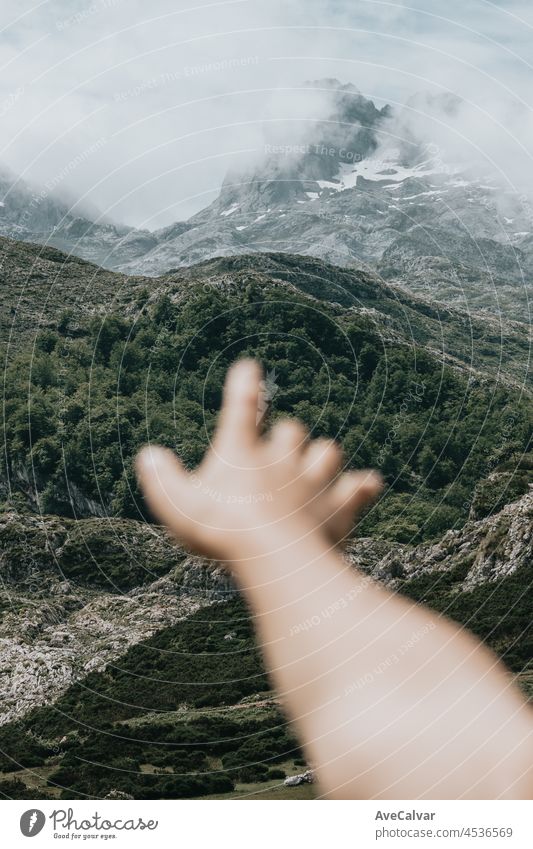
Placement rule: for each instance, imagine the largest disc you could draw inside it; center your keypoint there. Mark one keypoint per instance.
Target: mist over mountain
(356, 186)
(42, 214)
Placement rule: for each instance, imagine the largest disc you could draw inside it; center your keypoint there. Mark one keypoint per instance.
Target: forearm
(390, 699)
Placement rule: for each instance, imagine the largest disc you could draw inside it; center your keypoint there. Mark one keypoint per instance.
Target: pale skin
(389, 700)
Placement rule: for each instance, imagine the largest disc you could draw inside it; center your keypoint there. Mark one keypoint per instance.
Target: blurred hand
(250, 487)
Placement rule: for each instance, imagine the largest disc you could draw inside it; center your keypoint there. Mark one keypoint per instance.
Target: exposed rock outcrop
(76, 594)
(304, 778)
(55, 630)
(488, 549)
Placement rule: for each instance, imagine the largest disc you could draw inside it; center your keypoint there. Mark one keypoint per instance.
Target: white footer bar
(268, 825)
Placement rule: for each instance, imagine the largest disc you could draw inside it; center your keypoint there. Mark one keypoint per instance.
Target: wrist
(281, 547)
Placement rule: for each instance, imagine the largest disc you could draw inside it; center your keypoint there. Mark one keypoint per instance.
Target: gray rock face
(55, 631)
(350, 198)
(435, 232)
(205, 579)
(344, 195)
(44, 650)
(37, 214)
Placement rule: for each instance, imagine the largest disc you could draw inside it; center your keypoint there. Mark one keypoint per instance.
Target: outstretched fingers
(347, 497)
(287, 439)
(321, 462)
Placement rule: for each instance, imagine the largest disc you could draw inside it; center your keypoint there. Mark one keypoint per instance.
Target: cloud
(487, 137)
(169, 95)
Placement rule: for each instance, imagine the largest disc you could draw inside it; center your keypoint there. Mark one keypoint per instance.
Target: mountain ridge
(63, 283)
(342, 192)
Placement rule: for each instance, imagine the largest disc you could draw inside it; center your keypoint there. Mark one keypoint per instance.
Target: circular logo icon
(32, 822)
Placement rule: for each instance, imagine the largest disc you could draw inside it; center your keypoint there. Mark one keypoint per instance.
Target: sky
(139, 109)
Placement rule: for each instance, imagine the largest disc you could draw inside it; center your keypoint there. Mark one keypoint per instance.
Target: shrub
(276, 774)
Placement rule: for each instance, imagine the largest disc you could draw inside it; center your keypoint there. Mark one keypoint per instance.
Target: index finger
(238, 422)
